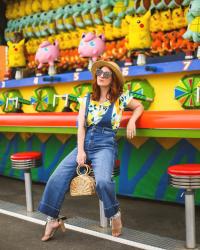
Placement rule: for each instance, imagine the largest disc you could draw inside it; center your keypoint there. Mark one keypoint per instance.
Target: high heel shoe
(116, 225)
(52, 226)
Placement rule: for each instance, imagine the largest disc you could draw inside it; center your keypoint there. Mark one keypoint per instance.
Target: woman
(99, 119)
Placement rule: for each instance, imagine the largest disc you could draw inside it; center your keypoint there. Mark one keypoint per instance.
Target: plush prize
(193, 17)
(91, 46)
(47, 53)
(16, 56)
(139, 32)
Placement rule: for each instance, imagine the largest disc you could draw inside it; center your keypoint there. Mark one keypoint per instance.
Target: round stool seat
(26, 160)
(185, 175)
(21, 156)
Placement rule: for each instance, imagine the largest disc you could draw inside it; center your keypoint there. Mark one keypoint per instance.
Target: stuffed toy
(160, 4)
(28, 7)
(28, 28)
(139, 32)
(47, 53)
(142, 6)
(178, 18)
(155, 22)
(96, 12)
(124, 27)
(58, 17)
(117, 32)
(156, 46)
(87, 17)
(91, 46)
(186, 2)
(36, 6)
(35, 25)
(166, 20)
(99, 29)
(78, 20)
(193, 18)
(119, 11)
(46, 5)
(108, 31)
(15, 11)
(68, 20)
(51, 24)
(44, 31)
(21, 9)
(174, 4)
(130, 10)
(16, 55)
(9, 9)
(106, 8)
(75, 38)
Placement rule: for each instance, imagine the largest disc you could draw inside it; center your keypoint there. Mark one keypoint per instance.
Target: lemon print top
(96, 110)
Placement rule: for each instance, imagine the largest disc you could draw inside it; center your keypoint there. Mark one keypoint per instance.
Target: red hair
(116, 89)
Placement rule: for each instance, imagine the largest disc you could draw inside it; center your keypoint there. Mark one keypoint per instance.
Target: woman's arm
(81, 156)
(138, 109)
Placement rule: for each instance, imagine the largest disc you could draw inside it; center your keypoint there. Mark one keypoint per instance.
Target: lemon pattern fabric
(96, 110)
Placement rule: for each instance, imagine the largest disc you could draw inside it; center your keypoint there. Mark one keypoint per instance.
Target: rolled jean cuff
(48, 210)
(109, 212)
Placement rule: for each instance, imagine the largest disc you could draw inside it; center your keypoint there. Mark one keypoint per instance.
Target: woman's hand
(131, 129)
(81, 157)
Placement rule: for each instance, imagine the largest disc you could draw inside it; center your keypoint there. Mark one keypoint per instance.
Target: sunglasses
(104, 74)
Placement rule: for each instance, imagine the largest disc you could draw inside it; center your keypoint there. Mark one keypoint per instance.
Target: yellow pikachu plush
(46, 5)
(155, 22)
(139, 32)
(166, 20)
(16, 56)
(28, 7)
(178, 18)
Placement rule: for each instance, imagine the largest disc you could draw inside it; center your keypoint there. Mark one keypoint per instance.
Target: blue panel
(179, 93)
(148, 69)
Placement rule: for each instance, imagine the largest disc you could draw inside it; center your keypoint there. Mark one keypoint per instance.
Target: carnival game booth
(156, 44)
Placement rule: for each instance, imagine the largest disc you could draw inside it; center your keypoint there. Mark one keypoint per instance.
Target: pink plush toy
(91, 46)
(47, 53)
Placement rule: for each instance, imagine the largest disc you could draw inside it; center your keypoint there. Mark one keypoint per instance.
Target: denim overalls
(101, 150)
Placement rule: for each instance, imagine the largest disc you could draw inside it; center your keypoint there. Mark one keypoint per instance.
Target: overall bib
(101, 150)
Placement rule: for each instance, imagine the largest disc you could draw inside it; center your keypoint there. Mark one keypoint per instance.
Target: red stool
(187, 176)
(26, 161)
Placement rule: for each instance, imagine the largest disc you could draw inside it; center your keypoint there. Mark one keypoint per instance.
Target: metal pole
(103, 219)
(190, 219)
(28, 189)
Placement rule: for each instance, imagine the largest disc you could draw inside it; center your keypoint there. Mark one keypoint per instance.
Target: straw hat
(111, 65)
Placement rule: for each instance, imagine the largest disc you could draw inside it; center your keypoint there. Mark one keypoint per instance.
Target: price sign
(76, 76)
(186, 65)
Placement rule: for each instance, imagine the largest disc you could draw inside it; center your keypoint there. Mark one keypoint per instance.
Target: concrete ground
(159, 218)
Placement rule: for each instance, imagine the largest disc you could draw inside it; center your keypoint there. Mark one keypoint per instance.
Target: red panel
(185, 169)
(26, 156)
(186, 119)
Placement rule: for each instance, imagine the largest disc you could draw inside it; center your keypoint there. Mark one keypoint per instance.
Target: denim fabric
(101, 150)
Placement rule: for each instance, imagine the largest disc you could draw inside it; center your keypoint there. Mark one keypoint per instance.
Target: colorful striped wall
(144, 161)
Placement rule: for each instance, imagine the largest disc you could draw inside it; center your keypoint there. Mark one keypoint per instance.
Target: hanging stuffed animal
(91, 46)
(47, 53)
(139, 32)
(193, 17)
(16, 57)
(178, 18)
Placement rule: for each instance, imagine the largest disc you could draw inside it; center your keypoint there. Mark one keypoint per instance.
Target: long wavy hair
(116, 89)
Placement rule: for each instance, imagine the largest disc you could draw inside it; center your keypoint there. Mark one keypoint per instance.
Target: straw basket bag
(83, 184)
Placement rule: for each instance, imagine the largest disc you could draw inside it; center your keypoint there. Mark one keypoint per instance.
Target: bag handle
(87, 167)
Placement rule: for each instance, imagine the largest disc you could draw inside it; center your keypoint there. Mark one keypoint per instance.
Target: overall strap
(86, 108)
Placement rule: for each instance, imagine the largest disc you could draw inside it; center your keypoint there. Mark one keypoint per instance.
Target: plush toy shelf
(148, 69)
(180, 124)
